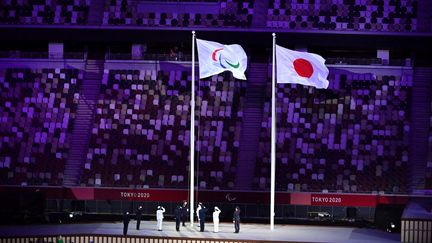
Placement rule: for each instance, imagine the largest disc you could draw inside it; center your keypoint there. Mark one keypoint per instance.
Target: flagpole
(273, 139)
(192, 137)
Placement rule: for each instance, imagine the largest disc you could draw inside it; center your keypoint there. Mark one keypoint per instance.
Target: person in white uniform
(197, 213)
(216, 219)
(159, 217)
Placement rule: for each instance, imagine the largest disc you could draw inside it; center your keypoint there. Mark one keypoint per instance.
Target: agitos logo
(222, 60)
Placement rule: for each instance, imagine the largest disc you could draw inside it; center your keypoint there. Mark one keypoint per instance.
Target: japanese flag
(301, 68)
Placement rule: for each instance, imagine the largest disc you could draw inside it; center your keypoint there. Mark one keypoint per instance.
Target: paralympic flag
(215, 58)
(301, 68)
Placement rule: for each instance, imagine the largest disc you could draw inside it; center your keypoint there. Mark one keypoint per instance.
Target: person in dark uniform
(202, 217)
(178, 212)
(138, 217)
(126, 219)
(185, 212)
(236, 219)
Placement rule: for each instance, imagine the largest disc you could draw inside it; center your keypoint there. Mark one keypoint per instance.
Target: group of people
(180, 214)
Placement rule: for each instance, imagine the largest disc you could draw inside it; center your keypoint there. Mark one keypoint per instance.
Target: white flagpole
(192, 137)
(273, 138)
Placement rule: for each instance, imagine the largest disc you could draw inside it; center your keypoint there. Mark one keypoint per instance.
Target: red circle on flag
(303, 67)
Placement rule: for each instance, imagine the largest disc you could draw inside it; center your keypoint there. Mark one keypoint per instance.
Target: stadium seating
(352, 137)
(37, 111)
(232, 14)
(140, 136)
(340, 15)
(220, 105)
(236, 13)
(343, 15)
(44, 11)
(117, 12)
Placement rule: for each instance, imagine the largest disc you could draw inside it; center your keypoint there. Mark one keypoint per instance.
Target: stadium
(107, 117)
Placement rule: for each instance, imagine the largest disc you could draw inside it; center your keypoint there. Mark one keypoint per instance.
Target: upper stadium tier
(374, 16)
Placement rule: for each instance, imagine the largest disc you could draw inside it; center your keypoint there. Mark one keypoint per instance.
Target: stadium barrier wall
(255, 205)
(178, 195)
(117, 239)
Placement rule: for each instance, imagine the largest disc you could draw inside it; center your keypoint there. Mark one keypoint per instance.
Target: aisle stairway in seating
(260, 13)
(420, 105)
(96, 12)
(83, 122)
(252, 117)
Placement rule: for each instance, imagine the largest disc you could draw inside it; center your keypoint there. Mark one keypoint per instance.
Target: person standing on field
(236, 219)
(216, 219)
(159, 217)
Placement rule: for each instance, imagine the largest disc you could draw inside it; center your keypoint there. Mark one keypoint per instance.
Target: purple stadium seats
(37, 111)
(352, 137)
(140, 136)
(340, 15)
(231, 14)
(219, 103)
(343, 15)
(44, 11)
